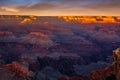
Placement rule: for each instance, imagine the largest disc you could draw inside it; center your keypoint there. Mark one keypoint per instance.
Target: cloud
(39, 6)
(64, 4)
(9, 9)
(66, 7)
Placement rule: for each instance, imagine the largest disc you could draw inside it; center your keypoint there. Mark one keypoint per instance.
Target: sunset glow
(60, 8)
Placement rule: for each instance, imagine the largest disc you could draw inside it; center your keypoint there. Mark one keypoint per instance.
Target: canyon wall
(116, 63)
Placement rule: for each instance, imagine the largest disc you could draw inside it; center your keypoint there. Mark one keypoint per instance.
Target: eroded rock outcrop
(37, 38)
(18, 70)
(116, 63)
(14, 71)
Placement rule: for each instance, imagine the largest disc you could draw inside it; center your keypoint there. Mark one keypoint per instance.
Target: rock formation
(18, 70)
(116, 63)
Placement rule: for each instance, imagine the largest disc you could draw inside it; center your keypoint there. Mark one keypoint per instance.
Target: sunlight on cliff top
(91, 19)
(28, 20)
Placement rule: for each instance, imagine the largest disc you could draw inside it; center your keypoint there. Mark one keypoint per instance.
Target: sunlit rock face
(91, 19)
(116, 63)
(28, 19)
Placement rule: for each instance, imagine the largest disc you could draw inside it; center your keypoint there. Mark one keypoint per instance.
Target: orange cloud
(10, 9)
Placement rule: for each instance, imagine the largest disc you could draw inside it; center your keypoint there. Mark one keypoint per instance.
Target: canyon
(60, 47)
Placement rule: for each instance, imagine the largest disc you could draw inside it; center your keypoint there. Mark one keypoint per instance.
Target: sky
(60, 7)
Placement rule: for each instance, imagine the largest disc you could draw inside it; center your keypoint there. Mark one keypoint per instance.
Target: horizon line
(56, 15)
